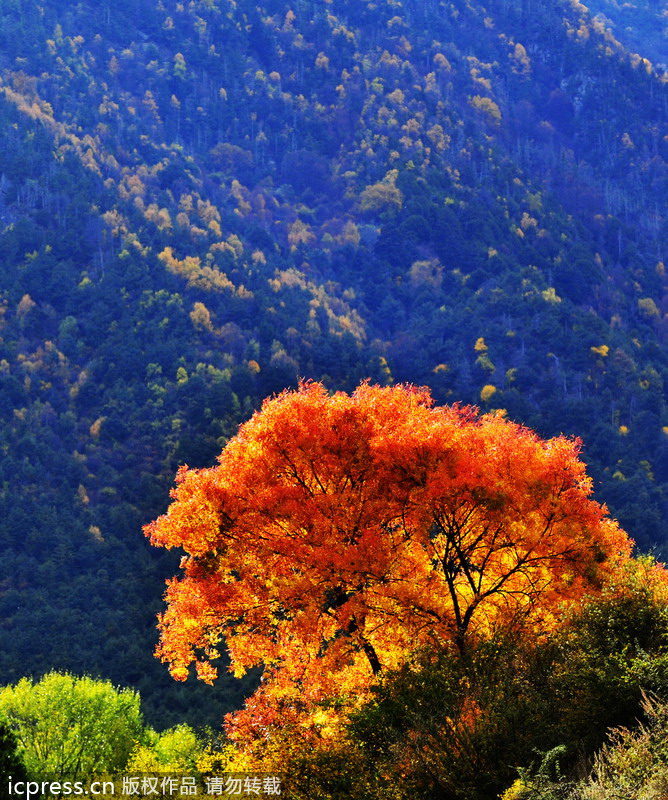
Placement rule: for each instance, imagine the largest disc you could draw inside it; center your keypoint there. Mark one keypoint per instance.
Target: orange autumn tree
(339, 532)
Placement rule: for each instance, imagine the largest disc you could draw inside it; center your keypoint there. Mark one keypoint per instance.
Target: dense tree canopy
(202, 201)
(69, 727)
(337, 533)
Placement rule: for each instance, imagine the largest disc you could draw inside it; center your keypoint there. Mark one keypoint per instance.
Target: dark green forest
(203, 202)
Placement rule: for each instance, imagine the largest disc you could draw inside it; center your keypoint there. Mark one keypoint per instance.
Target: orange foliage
(338, 533)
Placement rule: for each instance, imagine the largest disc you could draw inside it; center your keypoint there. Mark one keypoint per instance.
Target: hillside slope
(641, 26)
(201, 203)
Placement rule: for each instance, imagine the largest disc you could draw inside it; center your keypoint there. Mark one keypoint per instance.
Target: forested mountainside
(640, 26)
(202, 202)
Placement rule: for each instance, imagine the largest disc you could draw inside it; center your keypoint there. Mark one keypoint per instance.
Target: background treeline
(201, 202)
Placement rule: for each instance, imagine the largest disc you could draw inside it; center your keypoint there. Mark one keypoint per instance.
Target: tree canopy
(338, 532)
(197, 209)
(70, 727)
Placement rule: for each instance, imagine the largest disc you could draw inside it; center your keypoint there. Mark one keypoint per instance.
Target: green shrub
(71, 728)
